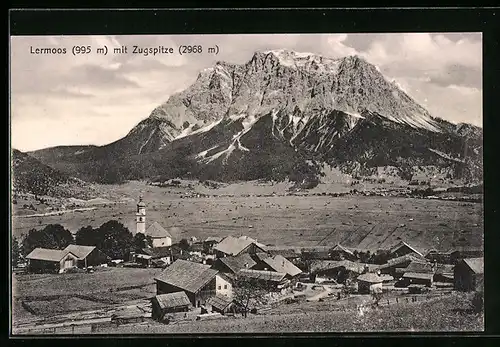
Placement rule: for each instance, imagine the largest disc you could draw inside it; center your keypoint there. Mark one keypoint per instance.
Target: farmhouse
(276, 263)
(275, 281)
(336, 271)
(158, 256)
(369, 283)
(210, 242)
(340, 252)
(318, 253)
(443, 273)
(87, 255)
(50, 260)
(198, 281)
(234, 264)
(232, 246)
(403, 248)
(416, 278)
(169, 303)
(438, 256)
(392, 265)
(469, 274)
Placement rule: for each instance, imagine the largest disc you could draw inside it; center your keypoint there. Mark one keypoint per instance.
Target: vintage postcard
(264, 183)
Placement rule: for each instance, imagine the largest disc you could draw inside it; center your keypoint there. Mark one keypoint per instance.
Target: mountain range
(282, 114)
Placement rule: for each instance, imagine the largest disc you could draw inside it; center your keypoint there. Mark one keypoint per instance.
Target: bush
(477, 301)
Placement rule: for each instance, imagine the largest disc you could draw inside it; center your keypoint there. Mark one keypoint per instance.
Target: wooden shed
(469, 274)
(169, 303)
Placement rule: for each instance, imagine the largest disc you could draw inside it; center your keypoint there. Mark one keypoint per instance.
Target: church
(160, 236)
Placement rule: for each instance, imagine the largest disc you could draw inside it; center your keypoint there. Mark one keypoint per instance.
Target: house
(169, 303)
(390, 268)
(469, 274)
(233, 246)
(416, 278)
(444, 273)
(403, 248)
(88, 255)
(420, 267)
(158, 256)
(50, 260)
(276, 263)
(460, 253)
(369, 283)
(336, 271)
(340, 252)
(274, 281)
(198, 281)
(234, 264)
(210, 242)
(159, 235)
(438, 256)
(221, 304)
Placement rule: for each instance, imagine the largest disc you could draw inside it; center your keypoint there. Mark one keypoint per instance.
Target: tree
(141, 241)
(249, 292)
(53, 236)
(114, 239)
(184, 244)
(86, 236)
(15, 251)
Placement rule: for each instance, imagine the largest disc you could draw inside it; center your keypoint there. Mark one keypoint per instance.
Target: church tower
(140, 217)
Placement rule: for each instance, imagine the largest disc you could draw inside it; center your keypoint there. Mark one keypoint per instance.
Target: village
(237, 276)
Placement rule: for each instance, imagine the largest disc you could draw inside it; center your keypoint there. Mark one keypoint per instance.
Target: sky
(96, 99)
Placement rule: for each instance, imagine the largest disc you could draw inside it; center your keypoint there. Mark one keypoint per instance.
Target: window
(225, 286)
(219, 287)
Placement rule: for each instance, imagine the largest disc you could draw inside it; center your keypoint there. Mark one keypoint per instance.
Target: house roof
(172, 300)
(232, 245)
(237, 263)
(370, 278)
(155, 230)
(258, 244)
(399, 260)
(261, 256)
(213, 239)
(443, 269)
(157, 252)
(405, 244)
(418, 266)
(339, 247)
(418, 275)
(219, 301)
(187, 275)
(47, 254)
(475, 264)
(280, 264)
(324, 265)
(265, 275)
(81, 252)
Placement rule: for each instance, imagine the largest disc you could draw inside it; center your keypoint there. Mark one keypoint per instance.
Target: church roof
(157, 231)
(141, 203)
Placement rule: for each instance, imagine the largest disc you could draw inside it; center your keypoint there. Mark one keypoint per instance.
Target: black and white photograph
(246, 183)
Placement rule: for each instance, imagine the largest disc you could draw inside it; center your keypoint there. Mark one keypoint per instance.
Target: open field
(45, 295)
(443, 314)
(355, 221)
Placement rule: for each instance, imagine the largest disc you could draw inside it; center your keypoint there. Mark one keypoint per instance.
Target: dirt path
(55, 213)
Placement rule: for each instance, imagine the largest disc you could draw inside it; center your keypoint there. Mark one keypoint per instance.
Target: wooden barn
(410, 278)
(221, 304)
(43, 260)
(469, 274)
(169, 303)
(234, 246)
(369, 283)
(403, 248)
(232, 264)
(88, 255)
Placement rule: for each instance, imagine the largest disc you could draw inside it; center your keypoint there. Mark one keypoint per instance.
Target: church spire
(140, 216)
